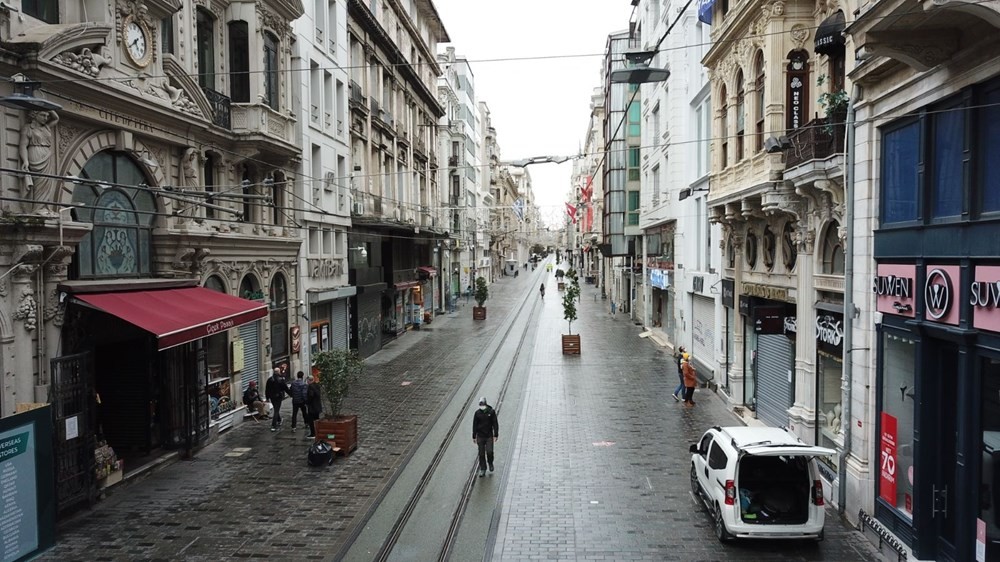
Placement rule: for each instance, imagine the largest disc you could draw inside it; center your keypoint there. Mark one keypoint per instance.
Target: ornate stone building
(777, 72)
(163, 177)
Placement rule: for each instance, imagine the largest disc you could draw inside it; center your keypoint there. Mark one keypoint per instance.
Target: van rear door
(787, 449)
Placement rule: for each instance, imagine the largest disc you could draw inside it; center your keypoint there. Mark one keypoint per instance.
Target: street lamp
(24, 96)
(639, 71)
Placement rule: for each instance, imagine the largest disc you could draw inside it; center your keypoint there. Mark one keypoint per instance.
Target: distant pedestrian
(314, 404)
(253, 401)
(612, 307)
(275, 391)
(680, 373)
(298, 392)
(541, 290)
(690, 379)
(485, 430)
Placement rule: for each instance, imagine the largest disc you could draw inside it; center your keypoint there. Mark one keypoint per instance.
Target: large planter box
(571, 344)
(479, 313)
(561, 286)
(341, 431)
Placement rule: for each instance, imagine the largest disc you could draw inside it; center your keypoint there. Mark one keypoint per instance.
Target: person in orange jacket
(690, 379)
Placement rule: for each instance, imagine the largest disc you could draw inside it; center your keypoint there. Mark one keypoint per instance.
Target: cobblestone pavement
(596, 428)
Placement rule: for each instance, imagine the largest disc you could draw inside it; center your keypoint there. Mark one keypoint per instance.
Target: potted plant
(834, 104)
(336, 370)
(560, 274)
(482, 293)
(571, 342)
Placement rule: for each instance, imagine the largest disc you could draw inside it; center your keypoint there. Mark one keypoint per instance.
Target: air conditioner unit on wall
(358, 208)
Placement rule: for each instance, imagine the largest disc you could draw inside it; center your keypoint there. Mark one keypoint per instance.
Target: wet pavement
(595, 452)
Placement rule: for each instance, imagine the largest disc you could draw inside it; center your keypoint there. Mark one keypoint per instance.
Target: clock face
(137, 43)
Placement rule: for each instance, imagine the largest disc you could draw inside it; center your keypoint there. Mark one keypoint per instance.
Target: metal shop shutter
(775, 355)
(339, 326)
(703, 333)
(251, 349)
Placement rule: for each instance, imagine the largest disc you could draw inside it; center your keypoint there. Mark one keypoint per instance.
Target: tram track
(404, 518)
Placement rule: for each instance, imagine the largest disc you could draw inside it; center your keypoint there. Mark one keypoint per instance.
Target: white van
(759, 482)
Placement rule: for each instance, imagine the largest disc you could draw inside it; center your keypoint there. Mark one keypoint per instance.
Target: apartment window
(208, 172)
(724, 126)
(633, 208)
(247, 189)
(45, 10)
(833, 251)
(338, 107)
(634, 119)
(328, 243)
(900, 161)
(740, 115)
(206, 49)
(239, 62)
(279, 205)
(319, 15)
(167, 34)
(655, 180)
(271, 70)
(314, 242)
(633, 163)
(947, 161)
(328, 102)
(316, 162)
(315, 92)
(655, 117)
(989, 141)
(761, 101)
(332, 32)
(341, 188)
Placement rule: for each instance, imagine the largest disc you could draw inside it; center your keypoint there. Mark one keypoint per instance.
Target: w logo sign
(937, 294)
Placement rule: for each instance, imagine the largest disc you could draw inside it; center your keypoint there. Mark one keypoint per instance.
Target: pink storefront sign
(985, 298)
(895, 289)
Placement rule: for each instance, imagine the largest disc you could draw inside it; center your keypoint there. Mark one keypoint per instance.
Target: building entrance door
(943, 490)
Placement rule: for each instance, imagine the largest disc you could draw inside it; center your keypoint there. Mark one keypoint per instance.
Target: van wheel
(721, 532)
(819, 537)
(695, 489)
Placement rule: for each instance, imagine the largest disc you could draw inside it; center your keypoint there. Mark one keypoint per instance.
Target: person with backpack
(298, 392)
(275, 391)
(485, 430)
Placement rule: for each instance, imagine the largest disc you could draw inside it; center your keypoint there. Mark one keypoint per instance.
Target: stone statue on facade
(35, 151)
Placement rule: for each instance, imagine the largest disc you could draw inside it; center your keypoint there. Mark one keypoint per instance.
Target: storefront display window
(989, 501)
(829, 404)
(895, 443)
(749, 366)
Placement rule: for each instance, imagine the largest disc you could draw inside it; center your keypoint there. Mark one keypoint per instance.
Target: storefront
(829, 395)
(769, 348)
(662, 301)
(703, 331)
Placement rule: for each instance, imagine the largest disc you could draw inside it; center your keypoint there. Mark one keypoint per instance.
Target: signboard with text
(985, 298)
(887, 460)
(27, 520)
(894, 287)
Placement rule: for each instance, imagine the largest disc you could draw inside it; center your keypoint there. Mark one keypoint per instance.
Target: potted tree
(482, 293)
(336, 370)
(571, 341)
(560, 274)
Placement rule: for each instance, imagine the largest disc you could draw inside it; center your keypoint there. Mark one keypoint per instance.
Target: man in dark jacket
(298, 392)
(485, 431)
(275, 391)
(251, 397)
(314, 405)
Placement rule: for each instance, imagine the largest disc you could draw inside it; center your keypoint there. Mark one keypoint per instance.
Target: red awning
(427, 270)
(177, 316)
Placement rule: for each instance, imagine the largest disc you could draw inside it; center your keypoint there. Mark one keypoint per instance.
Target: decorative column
(25, 328)
(802, 414)
(52, 310)
(737, 368)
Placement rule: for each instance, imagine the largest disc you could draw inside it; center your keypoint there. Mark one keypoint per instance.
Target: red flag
(571, 211)
(587, 191)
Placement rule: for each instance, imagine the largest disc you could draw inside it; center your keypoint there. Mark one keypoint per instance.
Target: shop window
(319, 337)
(250, 289)
(895, 444)
(206, 48)
(900, 161)
(279, 317)
(829, 406)
(120, 244)
(947, 162)
(239, 62)
(271, 68)
(751, 250)
(989, 499)
(833, 251)
(45, 10)
(989, 142)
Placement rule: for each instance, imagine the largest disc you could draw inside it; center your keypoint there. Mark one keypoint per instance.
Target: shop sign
(238, 358)
(893, 288)
(770, 320)
(887, 470)
(26, 479)
(940, 296)
(797, 89)
(830, 332)
(296, 333)
(744, 305)
(659, 278)
(728, 293)
(985, 298)
(765, 292)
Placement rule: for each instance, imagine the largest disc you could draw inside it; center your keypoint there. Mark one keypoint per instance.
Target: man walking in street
(298, 392)
(485, 431)
(275, 391)
(314, 405)
(678, 392)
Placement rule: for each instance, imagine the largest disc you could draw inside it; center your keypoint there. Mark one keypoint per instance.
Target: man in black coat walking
(275, 391)
(485, 431)
(314, 404)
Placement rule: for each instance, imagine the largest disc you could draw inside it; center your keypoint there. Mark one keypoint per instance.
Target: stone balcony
(261, 120)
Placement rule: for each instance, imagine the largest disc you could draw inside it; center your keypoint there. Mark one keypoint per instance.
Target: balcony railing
(375, 107)
(220, 108)
(357, 97)
(816, 140)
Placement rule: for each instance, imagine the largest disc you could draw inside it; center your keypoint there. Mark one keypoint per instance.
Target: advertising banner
(887, 471)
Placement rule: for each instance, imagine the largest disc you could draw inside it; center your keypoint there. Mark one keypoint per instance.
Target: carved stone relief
(799, 34)
(53, 309)
(85, 60)
(27, 310)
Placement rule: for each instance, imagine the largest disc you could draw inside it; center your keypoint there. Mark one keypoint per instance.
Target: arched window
(724, 125)
(731, 252)
(271, 68)
(740, 115)
(205, 40)
(789, 253)
(120, 245)
(279, 317)
(751, 250)
(250, 289)
(770, 244)
(215, 283)
(761, 105)
(833, 251)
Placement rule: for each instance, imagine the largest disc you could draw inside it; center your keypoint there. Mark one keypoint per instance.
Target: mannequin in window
(35, 151)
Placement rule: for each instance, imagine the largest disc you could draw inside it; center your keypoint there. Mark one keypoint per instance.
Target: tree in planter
(482, 291)
(560, 274)
(337, 369)
(834, 104)
(569, 299)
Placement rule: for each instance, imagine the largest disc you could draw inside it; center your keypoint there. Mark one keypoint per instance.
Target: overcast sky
(538, 107)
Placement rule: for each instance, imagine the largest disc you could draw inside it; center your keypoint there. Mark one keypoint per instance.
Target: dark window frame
(239, 61)
(205, 43)
(272, 70)
(980, 156)
(44, 10)
(884, 133)
(962, 103)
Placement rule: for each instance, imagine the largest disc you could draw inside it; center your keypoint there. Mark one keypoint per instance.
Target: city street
(592, 459)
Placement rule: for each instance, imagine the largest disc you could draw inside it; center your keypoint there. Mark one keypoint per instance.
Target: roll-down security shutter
(703, 334)
(339, 328)
(251, 363)
(775, 354)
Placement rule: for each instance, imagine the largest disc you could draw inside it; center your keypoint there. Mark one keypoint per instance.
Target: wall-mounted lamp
(363, 250)
(24, 96)
(774, 145)
(688, 191)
